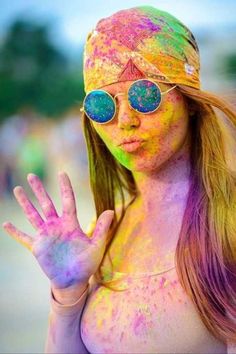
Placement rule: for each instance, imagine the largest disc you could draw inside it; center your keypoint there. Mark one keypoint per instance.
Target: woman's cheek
(109, 139)
(123, 158)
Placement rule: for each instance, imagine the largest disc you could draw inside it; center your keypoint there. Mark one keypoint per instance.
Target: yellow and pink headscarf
(141, 42)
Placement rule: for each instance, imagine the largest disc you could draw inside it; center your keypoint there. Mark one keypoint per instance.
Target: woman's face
(162, 132)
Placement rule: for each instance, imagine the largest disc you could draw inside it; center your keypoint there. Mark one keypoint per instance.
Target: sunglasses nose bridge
(119, 94)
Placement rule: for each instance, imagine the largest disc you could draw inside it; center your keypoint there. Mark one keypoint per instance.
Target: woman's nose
(127, 117)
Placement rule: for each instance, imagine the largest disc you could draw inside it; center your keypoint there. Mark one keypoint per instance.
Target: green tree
(230, 66)
(34, 73)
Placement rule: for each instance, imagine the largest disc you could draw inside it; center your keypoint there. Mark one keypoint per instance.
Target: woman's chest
(154, 315)
(136, 250)
(140, 246)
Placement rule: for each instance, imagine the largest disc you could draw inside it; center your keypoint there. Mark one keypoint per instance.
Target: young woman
(156, 271)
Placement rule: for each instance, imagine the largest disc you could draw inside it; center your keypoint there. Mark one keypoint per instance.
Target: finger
(102, 226)
(68, 199)
(18, 235)
(42, 196)
(31, 213)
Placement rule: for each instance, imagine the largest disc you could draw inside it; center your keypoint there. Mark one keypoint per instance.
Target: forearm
(64, 327)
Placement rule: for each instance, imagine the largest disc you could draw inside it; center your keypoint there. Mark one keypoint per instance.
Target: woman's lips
(132, 145)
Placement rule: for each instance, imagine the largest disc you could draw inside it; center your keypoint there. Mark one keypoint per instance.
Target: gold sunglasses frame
(123, 93)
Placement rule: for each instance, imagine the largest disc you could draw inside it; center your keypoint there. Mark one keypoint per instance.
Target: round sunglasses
(144, 96)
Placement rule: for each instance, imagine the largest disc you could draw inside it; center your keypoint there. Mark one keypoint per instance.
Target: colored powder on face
(122, 156)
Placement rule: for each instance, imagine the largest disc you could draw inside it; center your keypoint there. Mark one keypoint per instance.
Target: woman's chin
(145, 167)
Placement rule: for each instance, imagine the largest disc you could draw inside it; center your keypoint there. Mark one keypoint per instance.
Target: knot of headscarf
(141, 42)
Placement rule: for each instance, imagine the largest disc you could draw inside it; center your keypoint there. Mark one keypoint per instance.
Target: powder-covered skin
(153, 315)
(164, 128)
(59, 244)
(161, 185)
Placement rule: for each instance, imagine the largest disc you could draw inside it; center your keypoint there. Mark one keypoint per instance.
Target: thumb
(102, 226)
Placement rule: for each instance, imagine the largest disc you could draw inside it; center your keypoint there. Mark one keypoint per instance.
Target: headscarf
(141, 42)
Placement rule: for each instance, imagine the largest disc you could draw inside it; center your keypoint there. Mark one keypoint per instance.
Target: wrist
(69, 295)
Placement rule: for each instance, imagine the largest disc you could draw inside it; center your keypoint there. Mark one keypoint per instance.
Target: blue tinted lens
(99, 106)
(144, 96)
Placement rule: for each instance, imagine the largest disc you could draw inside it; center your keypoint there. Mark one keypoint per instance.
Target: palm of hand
(64, 252)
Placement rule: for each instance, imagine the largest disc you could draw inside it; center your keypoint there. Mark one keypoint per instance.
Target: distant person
(32, 156)
(12, 133)
(156, 271)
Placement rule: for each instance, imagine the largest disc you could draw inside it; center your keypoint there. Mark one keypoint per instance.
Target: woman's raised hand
(64, 252)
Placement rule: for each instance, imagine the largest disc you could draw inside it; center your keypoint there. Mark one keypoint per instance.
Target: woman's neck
(167, 185)
(161, 199)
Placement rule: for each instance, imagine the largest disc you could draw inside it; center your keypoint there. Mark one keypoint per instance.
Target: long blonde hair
(206, 250)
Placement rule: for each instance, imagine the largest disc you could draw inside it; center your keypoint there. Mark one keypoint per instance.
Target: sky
(72, 20)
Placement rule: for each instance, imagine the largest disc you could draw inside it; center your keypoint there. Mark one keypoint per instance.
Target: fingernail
(31, 176)
(61, 173)
(110, 213)
(17, 189)
(5, 224)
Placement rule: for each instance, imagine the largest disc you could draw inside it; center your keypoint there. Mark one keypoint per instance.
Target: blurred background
(41, 89)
